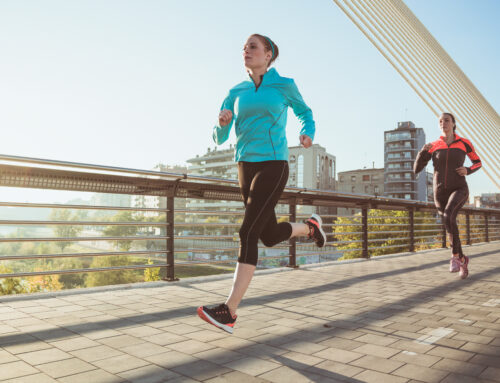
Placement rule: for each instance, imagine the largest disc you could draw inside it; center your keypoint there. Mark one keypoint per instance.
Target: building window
(317, 165)
(341, 179)
(352, 189)
(375, 178)
(407, 196)
(375, 189)
(366, 189)
(300, 171)
(353, 178)
(366, 177)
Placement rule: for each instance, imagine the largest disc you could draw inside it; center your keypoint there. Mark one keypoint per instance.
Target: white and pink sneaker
(454, 264)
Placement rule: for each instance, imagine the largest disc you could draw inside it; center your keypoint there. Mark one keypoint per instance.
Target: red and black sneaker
(316, 233)
(219, 316)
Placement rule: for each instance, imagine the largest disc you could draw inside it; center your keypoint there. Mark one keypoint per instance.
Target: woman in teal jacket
(258, 109)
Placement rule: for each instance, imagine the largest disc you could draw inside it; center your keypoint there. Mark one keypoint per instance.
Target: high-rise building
(401, 146)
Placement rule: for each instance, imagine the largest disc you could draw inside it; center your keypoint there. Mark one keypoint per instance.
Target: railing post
(170, 277)
(292, 250)
(467, 223)
(486, 227)
(364, 221)
(412, 229)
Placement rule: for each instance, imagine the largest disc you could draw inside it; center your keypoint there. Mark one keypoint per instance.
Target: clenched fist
(305, 141)
(225, 117)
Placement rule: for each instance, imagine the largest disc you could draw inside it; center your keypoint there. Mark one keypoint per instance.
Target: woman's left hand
(461, 171)
(305, 141)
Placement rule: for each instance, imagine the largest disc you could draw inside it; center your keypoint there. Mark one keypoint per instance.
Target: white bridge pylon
(423, 63)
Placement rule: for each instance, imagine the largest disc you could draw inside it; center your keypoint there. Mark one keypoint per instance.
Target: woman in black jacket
(450, 188)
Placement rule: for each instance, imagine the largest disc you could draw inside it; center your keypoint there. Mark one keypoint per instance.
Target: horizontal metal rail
(410, 228)
(81, 255)
(83, 239)
(79, 223)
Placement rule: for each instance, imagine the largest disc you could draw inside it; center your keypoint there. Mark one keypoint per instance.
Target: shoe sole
(320, 222)
(207, 318)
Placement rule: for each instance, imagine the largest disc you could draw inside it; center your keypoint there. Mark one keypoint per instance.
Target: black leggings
(261, 185)
(448, 204)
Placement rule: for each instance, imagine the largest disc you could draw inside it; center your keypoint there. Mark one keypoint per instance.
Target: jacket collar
(457, 138)
(268, 77)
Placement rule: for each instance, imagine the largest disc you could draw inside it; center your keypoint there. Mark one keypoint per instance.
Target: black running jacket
(446, 159)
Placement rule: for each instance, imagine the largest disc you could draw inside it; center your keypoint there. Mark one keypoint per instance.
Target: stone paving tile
(74, 343)
(201, 370)
(236, 376)
(149, 374)
(252, 366)
(377, 364)
(15, 370)
(22, 347)
(120, 363)
(171, 359)
(338, 355)
(376, 339)
(164, 339)
(303, 347)
(421, 373)
(446, 352)
(481, 348)
(460, 367)
(65, 367)
(120, 341)
(335, 370)
(92, 354)
(92, 376)
(370, 376)
(44, 356)
(375, 350)
(491, 373)
(219, 355)
(416, 358)
(6, 357)
(36, 378)
(143, 350)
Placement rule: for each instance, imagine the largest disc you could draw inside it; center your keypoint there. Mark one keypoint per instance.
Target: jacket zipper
(446, 167)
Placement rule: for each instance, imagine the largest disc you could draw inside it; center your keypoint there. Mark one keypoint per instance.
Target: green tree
(122, 231)
(103, 278)
(11, 285)
(152, 274)
(65, 231)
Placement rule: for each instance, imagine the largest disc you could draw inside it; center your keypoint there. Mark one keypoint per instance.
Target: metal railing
(173, 234)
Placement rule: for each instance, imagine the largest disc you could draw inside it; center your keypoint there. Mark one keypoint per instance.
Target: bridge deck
(395, 319)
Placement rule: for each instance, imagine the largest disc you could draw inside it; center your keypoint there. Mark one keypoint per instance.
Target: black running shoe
(219, 316)
(316, 233)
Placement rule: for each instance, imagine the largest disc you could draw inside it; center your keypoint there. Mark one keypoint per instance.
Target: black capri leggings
(261, 185)
(448, 204)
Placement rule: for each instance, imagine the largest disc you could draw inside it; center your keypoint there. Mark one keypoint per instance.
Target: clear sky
(134, 83)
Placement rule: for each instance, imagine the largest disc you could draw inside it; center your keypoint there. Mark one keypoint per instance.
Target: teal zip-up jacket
(259, 116)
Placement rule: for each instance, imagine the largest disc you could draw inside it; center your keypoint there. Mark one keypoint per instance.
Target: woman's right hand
(427, 147)
(225, 117)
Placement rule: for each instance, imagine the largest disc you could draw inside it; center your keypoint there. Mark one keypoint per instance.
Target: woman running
(258, 108)
(450, 188)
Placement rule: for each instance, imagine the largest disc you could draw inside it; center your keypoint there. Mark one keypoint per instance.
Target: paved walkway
(396, 319)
